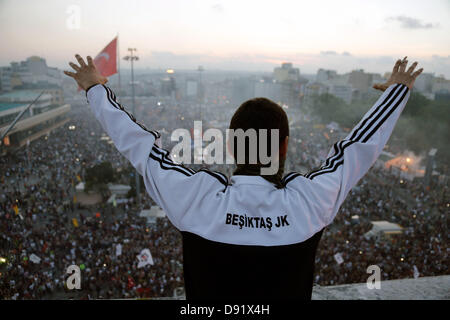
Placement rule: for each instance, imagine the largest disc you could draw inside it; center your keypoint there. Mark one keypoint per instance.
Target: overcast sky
(233, 34)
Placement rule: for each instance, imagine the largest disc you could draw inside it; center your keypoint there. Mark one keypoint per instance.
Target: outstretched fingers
(90, 61)
(396, 66)
(70, 74)
(416, 74)
(74, 66)
(403, 65)
(80, 60)
(412, 67)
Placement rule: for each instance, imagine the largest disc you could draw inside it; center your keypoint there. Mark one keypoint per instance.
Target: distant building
(434, 88)
(5, 79)
(42, 117)
(57, 95)
(360, 80)
(31, 72)
(316, 88)
(268, 88)
(291, 85)
(168, 87)
(325, 75)
(36, 65)
(286, 73)
(220, 92)
(441, 87)
(242, 90)
(424, 83)
(191, 88)
(24, 97)
(342, 91)
(443, 95)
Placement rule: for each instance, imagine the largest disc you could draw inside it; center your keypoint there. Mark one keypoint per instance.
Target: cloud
(334, 53)
(329, 53)
(411, 23)
(218, 7)
(167, 59)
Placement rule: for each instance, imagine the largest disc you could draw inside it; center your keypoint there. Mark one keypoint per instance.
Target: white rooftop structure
(152, 214)
(80, 187)
(114, 197)
(384, 228)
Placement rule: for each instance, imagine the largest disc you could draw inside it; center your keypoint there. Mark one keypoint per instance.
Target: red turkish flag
(106, 60)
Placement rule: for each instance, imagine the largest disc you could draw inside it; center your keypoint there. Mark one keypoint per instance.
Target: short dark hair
(260, 113)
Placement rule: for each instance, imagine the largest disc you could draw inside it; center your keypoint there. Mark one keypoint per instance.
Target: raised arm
(350, 159)
(132, 139)
(178, 190)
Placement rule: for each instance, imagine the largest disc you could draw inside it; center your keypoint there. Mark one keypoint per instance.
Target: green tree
(98, 176)
(130, 172)
(424, 123)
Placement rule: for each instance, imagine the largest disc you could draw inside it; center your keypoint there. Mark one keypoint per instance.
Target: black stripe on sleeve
(163, 166)
(375, 111)
(331, 166)
(90, 87)
(328, 170)
(339, 148)
(368, 127)
(166, 155)
(340, 151)
(162, 156)
(113, 100)
(291, 177)
(287, 176)
(165, 159)
(385, 117)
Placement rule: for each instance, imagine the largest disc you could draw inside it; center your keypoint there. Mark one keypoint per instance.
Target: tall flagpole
(132, 57)
(118, 63)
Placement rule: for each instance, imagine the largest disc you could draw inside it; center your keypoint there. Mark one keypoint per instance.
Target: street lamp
(200, 69)
(132, 57)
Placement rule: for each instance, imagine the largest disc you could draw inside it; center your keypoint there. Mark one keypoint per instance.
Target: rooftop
(10, 105)
(23, 96)
(383, 225)
(425, 288)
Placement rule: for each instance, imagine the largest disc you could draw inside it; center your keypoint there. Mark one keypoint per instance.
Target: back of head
(259, 113)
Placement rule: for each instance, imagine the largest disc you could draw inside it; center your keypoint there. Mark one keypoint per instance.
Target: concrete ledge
(426, 288)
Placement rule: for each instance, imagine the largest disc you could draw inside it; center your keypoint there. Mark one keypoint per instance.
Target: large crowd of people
(37, 205)
(421, 250)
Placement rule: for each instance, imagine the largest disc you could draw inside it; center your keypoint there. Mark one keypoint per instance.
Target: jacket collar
(243, 179)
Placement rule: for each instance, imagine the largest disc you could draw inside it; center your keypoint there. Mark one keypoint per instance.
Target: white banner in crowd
(416, 272)
(34, 258)
(338, 258)
(118, 250)
(145, 258)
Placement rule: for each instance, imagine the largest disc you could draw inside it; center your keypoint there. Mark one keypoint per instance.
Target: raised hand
(86, 75)
(399, 75)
